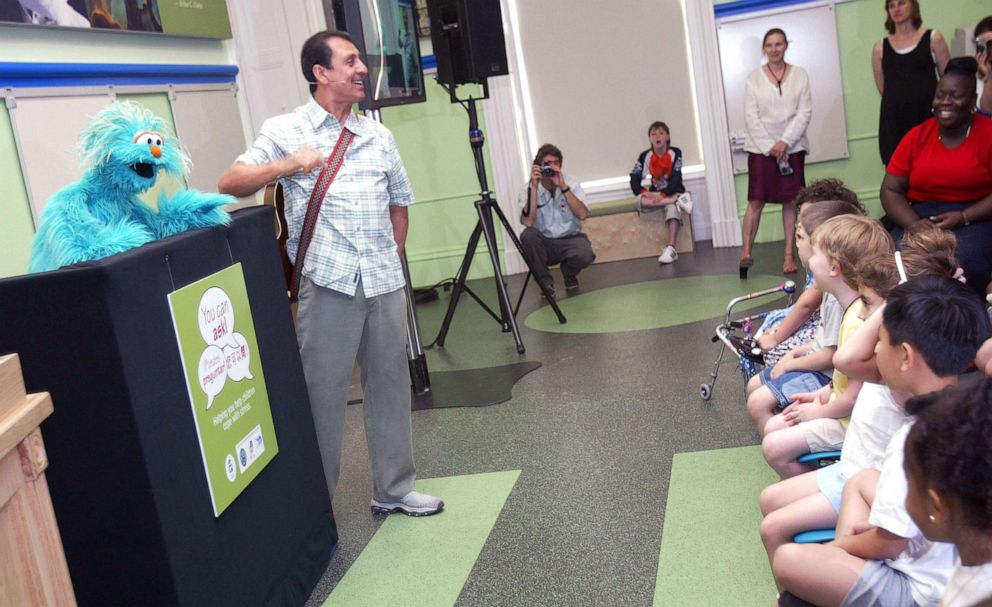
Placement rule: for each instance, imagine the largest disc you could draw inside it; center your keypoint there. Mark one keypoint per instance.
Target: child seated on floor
(791, 327)
(931, 328)
(949, 494)
(818, 424)
(806, 367)
(656, 181)
(812, 500)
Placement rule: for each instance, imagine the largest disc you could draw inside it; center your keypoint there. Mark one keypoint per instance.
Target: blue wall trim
(750, 6)
(14, 74)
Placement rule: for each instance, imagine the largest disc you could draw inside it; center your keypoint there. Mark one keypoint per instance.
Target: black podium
(126, 475)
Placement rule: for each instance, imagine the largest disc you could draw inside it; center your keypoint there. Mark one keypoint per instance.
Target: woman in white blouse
(777, 110)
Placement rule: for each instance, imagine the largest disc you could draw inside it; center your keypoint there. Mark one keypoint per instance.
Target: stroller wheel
(705, 391)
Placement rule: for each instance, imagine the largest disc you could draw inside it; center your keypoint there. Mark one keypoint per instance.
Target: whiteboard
(47, 128)
(812, 33)
(46, 132)
(209, 127)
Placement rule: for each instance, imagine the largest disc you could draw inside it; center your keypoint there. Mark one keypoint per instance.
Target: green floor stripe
(650, 305)
(425, 561)
(710, 550)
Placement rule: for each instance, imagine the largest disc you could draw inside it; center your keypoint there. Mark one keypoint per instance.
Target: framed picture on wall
(200, 18)
(423, 21)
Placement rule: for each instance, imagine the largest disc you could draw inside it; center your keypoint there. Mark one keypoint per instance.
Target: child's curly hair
(949, 448)
(828, 189)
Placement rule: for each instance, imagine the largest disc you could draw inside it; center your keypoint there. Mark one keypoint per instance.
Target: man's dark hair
(316, 51)
(985, 25)
(941, 318)
(949, 448)
(544, 150)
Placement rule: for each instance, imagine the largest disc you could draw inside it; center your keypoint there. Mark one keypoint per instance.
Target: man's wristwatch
(566, 190)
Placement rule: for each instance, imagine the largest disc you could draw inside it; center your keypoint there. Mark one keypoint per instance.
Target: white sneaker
(411, 504)
(668, 255)
(684, 203)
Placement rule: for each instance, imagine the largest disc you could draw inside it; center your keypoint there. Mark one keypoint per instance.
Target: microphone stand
(485, 207)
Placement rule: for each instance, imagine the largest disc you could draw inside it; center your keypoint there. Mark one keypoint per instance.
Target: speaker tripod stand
(485, 227)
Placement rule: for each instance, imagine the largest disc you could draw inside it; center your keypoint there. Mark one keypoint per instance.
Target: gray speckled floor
(593, 432)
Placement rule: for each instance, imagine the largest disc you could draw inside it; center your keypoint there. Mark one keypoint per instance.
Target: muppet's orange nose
(156, 151)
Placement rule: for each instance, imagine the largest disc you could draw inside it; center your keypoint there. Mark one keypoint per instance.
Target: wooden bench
(618, 231)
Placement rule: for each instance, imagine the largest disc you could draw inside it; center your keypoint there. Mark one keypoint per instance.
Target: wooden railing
(33, 569)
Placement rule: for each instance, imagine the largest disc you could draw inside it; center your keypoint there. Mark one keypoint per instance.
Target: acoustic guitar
(273, 196)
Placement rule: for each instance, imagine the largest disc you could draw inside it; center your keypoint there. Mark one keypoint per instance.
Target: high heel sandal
(745, 264)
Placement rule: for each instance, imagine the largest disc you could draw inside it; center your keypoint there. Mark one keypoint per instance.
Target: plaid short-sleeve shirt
(353, 237)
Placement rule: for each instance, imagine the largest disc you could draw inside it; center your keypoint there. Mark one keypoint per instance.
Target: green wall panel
(16, 224)
(433, 142)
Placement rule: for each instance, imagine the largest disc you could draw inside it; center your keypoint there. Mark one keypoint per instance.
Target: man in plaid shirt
(351, 299)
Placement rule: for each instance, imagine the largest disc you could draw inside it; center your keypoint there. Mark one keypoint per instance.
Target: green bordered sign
(226, 386)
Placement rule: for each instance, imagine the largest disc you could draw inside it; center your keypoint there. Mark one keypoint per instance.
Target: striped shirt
(353, 238)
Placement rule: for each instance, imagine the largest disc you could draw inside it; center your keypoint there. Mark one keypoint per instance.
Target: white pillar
(714, 132)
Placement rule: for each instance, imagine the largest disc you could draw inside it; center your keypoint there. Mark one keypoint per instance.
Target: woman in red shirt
(941, 173)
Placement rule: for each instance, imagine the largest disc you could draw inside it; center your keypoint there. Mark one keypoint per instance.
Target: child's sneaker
(684, 203)
(669, 255)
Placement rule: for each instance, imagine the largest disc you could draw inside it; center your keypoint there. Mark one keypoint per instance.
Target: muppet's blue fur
(101, 214)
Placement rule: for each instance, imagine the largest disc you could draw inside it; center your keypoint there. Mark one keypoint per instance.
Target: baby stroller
(739, 336)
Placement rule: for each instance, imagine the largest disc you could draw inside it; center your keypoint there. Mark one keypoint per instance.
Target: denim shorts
(792, 382)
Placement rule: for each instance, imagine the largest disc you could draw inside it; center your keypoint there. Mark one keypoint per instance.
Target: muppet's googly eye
(148, 138)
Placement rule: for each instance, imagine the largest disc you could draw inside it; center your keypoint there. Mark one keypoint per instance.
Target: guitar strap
(324, 180)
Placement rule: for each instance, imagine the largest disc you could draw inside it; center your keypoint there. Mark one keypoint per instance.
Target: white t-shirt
(969, 586)
(831, 315)
(928, 565)
(874, 420)
(828, 332)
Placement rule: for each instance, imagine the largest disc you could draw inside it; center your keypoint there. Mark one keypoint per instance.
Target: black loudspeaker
(468, 40)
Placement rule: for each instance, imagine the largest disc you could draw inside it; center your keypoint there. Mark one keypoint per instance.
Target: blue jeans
(974, 242)
(792, 382)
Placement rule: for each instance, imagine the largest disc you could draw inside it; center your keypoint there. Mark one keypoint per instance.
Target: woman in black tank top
(905, 72)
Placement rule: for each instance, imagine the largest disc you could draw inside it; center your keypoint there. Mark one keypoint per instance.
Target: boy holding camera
(552, 211)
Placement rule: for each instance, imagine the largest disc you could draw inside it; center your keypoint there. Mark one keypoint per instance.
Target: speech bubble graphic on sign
(212, 372)
(215, 315)
(238, 358)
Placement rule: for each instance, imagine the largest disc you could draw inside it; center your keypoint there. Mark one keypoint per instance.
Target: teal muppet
(122, 150)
